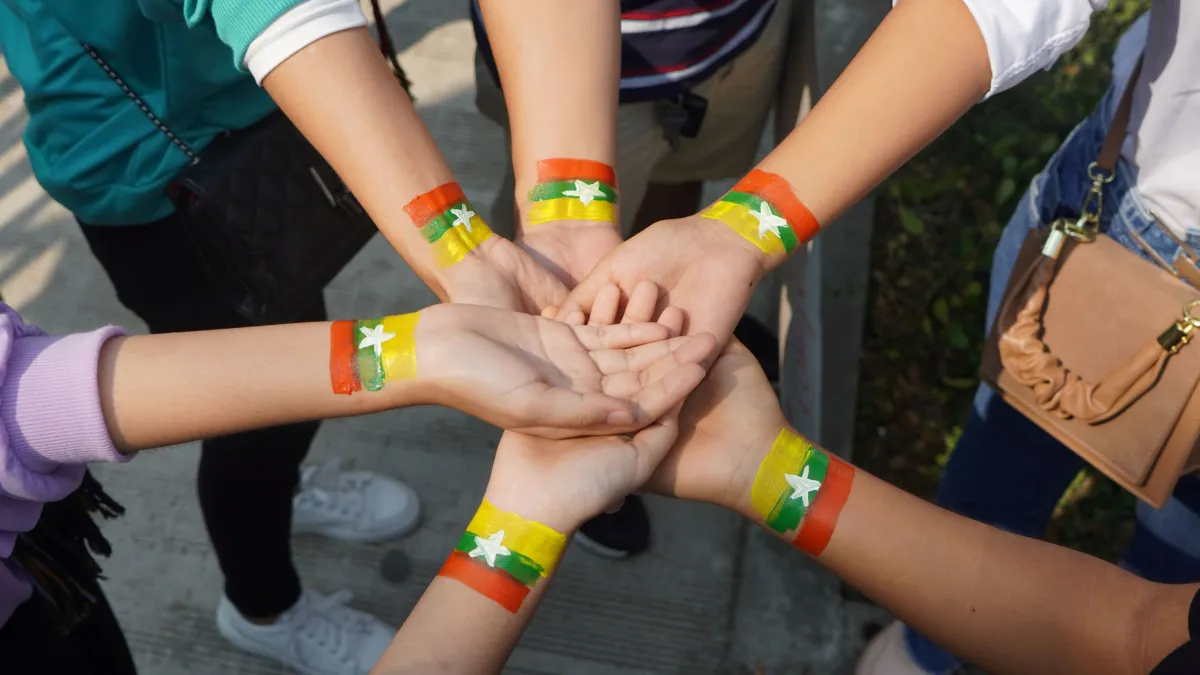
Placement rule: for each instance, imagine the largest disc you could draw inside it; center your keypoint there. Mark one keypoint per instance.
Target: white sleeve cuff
(1024, 36)
(297, 28)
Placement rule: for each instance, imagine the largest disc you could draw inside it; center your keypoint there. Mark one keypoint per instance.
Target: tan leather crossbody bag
(1091, 343)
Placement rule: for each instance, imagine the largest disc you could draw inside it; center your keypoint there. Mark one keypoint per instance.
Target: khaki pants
(740, 95)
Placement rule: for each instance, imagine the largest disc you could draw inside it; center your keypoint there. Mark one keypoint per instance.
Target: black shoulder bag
(269, 217)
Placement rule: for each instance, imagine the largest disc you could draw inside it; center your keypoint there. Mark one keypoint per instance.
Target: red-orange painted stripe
(575, 169)
(778, 193)
(491, 583)
(343, 360)
(434, 203)
(820, 521)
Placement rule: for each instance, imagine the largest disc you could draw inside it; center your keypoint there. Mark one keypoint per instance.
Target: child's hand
(726, 428)
(542, 377)
(563, 483)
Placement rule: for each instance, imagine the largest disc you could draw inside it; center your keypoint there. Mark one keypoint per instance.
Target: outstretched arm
(559, 65)
(320, 64)
(1008, 603)
(925, 65)
(511, 369)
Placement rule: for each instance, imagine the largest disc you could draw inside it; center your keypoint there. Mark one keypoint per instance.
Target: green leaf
(912, 224)
(1007, 187)
(958, 339)
(941, 310)
(973, 290)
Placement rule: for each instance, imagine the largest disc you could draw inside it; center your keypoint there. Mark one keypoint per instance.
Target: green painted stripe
(370, 369)
(788, 512)
(434, 229)
(752, 202)
(520, 567)
(546, 191)
(745, 199)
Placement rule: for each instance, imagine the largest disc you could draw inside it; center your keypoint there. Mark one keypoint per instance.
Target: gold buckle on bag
(1181, 332)
(1088, 225)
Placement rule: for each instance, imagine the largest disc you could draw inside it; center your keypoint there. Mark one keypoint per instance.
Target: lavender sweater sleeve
(51, 425)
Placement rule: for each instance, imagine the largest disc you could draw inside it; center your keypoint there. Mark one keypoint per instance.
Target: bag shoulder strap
(1110, 151)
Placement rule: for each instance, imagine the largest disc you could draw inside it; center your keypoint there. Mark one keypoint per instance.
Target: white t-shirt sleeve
(1024, 36)
(297, 28)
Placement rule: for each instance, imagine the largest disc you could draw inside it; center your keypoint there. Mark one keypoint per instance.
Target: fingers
(657, 398)
(654, 442)
(583, 296)
(636, 359)
(606, 306)
(549, 312)
(620, 336)
(642, 303)
(672, 319)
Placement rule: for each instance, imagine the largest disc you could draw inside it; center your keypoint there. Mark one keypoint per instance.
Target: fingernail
(619, 418)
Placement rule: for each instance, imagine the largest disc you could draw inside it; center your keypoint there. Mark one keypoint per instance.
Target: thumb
(654, 442)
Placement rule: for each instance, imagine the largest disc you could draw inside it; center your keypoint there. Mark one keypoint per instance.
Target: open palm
(551, 379)
(698, 264)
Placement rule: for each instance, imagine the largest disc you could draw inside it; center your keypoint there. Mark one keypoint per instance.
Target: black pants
(247, 480)
(30, 643)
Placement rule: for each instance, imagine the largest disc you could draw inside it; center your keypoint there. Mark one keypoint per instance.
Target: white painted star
(802, 485)
(490, 548)
(374, 337)
(585, 191)
(462, 216)
(767, 220)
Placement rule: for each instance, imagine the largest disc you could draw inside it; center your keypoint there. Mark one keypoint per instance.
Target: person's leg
(246, 481)
(253, 495)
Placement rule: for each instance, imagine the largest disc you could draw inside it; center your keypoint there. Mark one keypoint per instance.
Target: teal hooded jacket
(92, 149)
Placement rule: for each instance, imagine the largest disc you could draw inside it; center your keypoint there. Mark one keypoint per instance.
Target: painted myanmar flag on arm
(447, 221)
(573, 189)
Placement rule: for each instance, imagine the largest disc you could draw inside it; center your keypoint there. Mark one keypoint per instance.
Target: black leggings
(246, 481)
(30, 643)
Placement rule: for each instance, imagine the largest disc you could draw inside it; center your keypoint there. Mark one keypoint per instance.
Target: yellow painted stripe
(738, 217)
(398, 356)
(571, 208)
(788, 454)
(456, 243)
(533, 540)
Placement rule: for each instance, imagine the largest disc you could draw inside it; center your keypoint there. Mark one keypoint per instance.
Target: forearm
(979, 591)
(559, 65)
(924, 66)
(158, 390)
(983, 590)
(346, 101)
(474, 611)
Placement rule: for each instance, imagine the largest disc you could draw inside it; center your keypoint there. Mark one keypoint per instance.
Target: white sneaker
(319, 635)
(887, 654)
(357, 506)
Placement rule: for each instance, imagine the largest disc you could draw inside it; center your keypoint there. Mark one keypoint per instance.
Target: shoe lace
(324, 487)
(326, 623)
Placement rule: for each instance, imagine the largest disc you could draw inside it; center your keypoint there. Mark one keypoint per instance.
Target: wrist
(763, 212)
(531, 504)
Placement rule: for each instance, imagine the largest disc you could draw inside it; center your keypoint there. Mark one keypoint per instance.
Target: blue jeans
(1005, 470)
